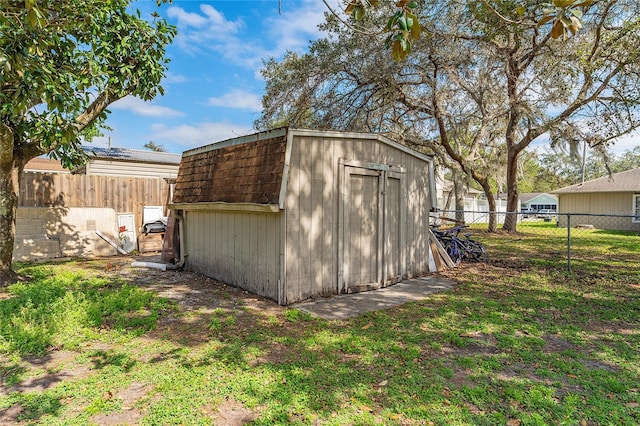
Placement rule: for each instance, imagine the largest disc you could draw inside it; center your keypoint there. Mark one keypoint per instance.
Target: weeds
(519, 341)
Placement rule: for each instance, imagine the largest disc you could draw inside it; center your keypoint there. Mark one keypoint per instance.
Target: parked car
(546, 213)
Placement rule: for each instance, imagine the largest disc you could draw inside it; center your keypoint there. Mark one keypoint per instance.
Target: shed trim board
(222, 206)
(285, 172)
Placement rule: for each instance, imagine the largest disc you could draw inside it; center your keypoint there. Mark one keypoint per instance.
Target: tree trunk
(458, 189)
(513, 73)
(511, 220)
(9, 181)
(491, 200)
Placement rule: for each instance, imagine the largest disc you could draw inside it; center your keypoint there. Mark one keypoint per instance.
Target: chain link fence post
(569, 242)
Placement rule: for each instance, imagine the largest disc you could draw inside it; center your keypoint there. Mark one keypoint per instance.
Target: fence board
(123, 194)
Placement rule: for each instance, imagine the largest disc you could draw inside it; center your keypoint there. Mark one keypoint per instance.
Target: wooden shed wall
(312, 203)
(238, 248)
(617, 203)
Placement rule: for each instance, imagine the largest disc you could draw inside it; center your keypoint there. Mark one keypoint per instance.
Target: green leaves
(34, 16)
(58, 57)
(566, 16)
(404, 28)
(403, 25)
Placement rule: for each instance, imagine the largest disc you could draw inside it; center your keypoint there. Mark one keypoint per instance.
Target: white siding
(237, 248)
(131, 169)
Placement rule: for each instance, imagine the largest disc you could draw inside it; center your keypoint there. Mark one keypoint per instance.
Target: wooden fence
(124, 195)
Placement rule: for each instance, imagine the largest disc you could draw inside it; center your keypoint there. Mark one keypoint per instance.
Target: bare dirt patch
(10, 415)
(230, 413)
(128, 417)
(44, 372)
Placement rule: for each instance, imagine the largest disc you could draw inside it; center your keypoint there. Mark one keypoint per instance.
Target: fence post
(569, 242)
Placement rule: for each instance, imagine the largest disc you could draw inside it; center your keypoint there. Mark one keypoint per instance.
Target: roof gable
(530, 197)
(628, 181)
(250, 172)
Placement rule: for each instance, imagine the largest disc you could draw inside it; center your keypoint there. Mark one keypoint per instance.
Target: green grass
(518, 340)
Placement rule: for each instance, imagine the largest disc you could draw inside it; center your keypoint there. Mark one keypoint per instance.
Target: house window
(636, 208)
(538, 207)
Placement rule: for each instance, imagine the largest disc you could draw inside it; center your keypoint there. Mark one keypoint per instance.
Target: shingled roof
(248, 172)
(628, 181)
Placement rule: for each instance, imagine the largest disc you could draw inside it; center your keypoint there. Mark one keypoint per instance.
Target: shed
(292, 214)
(617, 195)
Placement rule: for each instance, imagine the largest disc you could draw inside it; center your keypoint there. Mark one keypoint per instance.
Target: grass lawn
(518, 342)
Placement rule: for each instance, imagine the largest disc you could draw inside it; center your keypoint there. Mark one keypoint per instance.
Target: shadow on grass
(28, 407)
(513, 340)
(102, 359)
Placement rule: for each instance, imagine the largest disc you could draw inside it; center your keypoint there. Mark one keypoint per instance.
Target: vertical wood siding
(312, 203)
(238, 248)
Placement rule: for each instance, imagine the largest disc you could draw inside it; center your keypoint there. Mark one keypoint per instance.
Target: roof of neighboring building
(126, 154)
(43, 164)
(628, 181)
(529, 196)
(247, 172)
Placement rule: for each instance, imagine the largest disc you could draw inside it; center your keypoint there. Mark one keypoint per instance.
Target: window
(636, 208)
(538, 207)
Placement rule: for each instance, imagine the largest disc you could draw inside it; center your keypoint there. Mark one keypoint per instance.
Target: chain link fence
(557, 240)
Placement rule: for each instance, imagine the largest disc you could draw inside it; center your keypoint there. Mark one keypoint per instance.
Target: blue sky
(213, 88)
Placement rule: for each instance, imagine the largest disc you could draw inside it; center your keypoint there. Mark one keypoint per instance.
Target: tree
(558, 168)
(152, 146)
(630, 159)
(488, 67)
(62, 63)
(585, 89)
(563, 17)
(347, 82)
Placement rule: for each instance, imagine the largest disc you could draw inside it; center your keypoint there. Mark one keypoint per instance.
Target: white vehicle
(546, 213)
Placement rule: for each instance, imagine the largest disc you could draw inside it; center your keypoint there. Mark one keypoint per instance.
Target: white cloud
(294, 29)
(147, 109)
(186, 19)
(172, 78)
(238, 99)
(199, 134)
(625, 143)
(198, 32)
(247, 46)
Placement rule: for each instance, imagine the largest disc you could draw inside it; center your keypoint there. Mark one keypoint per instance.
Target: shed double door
(371, 221)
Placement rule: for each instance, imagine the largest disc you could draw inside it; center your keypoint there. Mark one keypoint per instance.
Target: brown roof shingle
(246, 173)
(628, 181)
